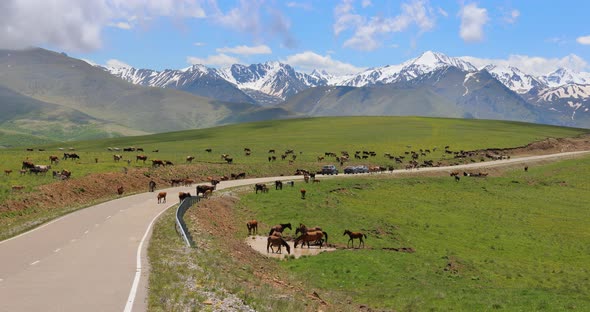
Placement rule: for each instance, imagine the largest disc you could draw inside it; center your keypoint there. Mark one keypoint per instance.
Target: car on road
(329, 169)
(356, 169)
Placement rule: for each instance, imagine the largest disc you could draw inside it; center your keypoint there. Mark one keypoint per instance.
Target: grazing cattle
(272, 151)
(202, 189)
(241, 175)
(316, 181)
(168, 163)
(139, 149)
(290, 183)
(116, 158)
(22, 171)
(17, 188)
(151, 185)
(526, 168)
(302, 193)
(120, 190)
(229, 160)
(128, 149)
(183, 195)
(71, 156)
(208, 150)
(454, 173)
(156, 151)
(188, 182)
(176, 182)
(353, 235)
(161, 197)
(260, 187)
(141, 157)
(189, 159)
(63, 175)
(39, 169)
(252, 227)
(53, 159)
(214, 182)
(7, 171)
(306, 178)
(28, 165)
(457, 178)
(30, 149)
(157, 163)
(278, 185)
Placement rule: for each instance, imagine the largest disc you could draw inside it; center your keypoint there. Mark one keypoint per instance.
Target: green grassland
(517, 242)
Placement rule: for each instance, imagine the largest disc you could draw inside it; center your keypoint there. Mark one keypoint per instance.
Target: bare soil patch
(259, 243)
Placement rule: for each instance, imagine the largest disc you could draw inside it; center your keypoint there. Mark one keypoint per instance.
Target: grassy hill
(71, 83)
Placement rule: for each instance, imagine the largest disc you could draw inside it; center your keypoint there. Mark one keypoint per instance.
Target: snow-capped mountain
(426, 63)
(563, 76)
(572, 100)
(515, 79)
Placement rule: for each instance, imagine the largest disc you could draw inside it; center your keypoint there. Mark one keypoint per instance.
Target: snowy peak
(563, 76)
(430, 61)
(514, 78)
(570, 91)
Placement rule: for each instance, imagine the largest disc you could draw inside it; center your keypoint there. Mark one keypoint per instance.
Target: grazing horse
(354, 235)
(279, 228)
(161, 197)
(152, 185)
(317, 236)
(277, 241)
(252, 227)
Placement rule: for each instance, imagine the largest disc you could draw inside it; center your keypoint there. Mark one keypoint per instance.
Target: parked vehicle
(356, 169)
(329, 169)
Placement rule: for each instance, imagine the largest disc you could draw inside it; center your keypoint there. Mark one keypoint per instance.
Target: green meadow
(518, 242)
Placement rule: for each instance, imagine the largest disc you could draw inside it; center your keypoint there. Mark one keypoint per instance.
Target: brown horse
(279, 228)
(315, 237)
(252, 227)
(304, 229)
(276, 240)
(354, 235)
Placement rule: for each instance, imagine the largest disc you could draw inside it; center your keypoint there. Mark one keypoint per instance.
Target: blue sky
(340, 37)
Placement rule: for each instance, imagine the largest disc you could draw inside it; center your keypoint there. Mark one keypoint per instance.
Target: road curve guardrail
(181, 227)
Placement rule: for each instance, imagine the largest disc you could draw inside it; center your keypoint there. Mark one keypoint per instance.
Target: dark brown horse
(315, 237)
(276, 240)
(279, 228)
(304, 229)
(252, 227)
(354, 235)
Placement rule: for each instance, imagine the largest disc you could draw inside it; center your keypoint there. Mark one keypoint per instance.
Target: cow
(7, 171)
(189, 159)
(161, 197)
(168, 163)
(202, 189)
(53, 159)
(260, 187)
(278, 185)
(116, 158)
(183, 195)
(141, 157)
(157, 163)
(17, 188)
(39, 169)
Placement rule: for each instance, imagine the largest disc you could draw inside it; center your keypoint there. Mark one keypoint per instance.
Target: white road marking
(86, 232)
(57, 250)
(108, 217)
(35, 262)
(133, 291)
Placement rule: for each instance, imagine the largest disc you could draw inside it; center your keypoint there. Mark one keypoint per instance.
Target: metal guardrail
(180, 224)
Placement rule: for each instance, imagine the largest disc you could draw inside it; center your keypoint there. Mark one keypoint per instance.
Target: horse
(279, 228)
(304, 229)
(354, 235)
(161, 197)
(277, 241)
(317, 236)
(252, 227)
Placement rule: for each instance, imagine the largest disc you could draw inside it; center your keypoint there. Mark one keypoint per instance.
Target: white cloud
(220, 60)
(473, 19)
(584, 40)
(442, 12)
(308, 61)
(511, 16)
(366, 3)
(77, 25)
(257, 18)
(121, 25)
(114, 63)
(246, 50)
(533, 64)
(199, 44)
(300, 5)
(368, 30)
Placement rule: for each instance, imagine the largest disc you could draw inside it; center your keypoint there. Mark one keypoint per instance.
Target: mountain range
(560, 97)
(45, 95)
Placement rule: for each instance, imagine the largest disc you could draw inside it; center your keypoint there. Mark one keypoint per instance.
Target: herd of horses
(304, 236)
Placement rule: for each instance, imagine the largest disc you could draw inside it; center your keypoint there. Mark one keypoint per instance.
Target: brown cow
(161, 197)
(141, 157)
(53, 159)
(189, 159)
(183, 195)
(7, 171)
(157, 163)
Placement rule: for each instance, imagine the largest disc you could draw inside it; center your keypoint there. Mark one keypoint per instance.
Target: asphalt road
(88, 260)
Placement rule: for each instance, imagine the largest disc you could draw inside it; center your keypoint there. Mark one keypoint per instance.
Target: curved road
(87, 260)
